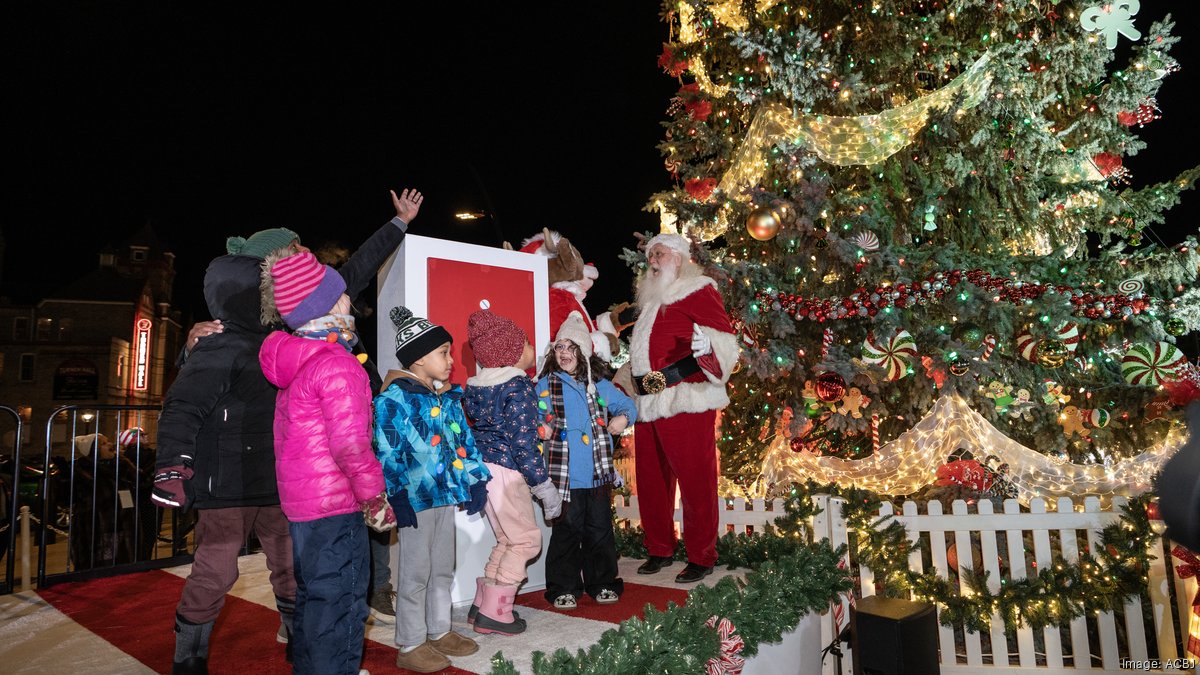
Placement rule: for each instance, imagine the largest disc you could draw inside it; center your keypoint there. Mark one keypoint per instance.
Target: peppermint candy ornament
(1151, 364)
(867, 241)
(1068, 334)
(1027, 346)
(894, 355)
(1131, 286)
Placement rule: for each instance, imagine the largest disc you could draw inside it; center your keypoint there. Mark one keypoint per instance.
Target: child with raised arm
(582, 408)
(503, 408)
(328, 476)
(431, 466)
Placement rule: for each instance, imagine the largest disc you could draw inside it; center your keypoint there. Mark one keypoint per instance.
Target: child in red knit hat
(503, 406)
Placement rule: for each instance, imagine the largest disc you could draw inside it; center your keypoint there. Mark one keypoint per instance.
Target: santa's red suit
(675, 436)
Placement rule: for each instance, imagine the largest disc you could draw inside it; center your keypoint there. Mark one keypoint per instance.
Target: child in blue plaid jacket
(582, 409)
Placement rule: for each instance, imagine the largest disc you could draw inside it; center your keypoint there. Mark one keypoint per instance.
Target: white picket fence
(1009, 545)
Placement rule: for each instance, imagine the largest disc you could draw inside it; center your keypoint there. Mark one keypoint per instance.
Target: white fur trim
(571, 287)
(685, 397)
(490, 377)
(604, 324)
(600, 346)
(725, 347)
(590, 271)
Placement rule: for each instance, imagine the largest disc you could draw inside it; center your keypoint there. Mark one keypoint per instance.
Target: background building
(110, 336)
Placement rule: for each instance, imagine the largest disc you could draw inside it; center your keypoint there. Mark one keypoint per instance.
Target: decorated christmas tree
(927, 240)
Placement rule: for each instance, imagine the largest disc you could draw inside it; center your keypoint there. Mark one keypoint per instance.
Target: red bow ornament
(727, 662)
(1190, 567)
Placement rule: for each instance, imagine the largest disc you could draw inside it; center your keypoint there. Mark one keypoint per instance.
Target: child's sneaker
(565, 601)
(607, 597)
(383, 606)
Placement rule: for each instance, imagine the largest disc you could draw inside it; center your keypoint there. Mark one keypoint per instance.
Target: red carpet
(632, 603)
(136, 613)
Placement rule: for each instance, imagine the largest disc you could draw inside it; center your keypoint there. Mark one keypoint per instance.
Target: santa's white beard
(653, 286)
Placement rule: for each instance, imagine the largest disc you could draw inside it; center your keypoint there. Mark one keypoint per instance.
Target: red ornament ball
(830, 387)
(797, 444)
(1152, 511)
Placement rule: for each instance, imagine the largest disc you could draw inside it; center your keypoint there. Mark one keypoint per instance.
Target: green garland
(788, 579)
(1100, 580)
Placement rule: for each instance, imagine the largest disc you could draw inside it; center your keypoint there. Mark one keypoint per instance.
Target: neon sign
(141, 355)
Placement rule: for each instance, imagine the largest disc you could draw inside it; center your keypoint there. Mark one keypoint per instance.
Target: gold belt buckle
(654, 382)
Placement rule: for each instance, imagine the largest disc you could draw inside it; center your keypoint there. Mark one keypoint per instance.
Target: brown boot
(423, 659)
(455, 644)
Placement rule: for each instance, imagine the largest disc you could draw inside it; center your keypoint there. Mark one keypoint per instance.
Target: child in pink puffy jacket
(327, 472)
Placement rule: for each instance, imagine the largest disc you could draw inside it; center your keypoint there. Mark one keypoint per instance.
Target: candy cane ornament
(989, 346)
(826, 341)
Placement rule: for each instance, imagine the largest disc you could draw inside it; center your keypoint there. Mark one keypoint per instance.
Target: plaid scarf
(556, 444)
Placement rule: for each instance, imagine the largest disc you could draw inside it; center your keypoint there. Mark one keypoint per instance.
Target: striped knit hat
(129, 436)
(304, 289)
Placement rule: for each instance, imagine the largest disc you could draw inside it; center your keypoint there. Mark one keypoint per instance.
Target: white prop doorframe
(403, 280)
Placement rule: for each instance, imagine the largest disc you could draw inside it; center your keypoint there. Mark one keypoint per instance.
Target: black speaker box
(894, 637)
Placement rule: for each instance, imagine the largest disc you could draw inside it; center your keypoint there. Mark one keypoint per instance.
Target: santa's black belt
(657, 380)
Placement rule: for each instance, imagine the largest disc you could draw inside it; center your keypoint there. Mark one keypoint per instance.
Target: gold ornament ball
(1052, 353)
(763, 223)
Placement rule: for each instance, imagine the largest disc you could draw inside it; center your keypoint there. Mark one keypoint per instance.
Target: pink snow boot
(495, 611)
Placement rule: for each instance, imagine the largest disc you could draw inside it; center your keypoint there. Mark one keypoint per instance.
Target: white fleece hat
(675, 242)
(575, 330)
(85, 443)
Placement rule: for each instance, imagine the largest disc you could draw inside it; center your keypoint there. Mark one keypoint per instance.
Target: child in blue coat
(581, 408)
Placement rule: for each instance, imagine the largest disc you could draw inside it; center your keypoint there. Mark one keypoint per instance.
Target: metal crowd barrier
(94, 513)
(9, 506)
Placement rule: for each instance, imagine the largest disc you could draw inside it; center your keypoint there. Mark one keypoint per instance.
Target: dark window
(20, 328)
(28, 361)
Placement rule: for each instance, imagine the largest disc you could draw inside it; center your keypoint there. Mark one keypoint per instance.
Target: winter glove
(478, 498)
(170, 486)
(378, 513)
(701, 345)
(551, 500)
(402, 510)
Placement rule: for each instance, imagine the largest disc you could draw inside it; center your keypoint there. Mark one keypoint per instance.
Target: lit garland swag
(1100, 580)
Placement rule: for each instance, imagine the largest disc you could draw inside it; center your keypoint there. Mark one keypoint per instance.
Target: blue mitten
(405, 515)
(478, 498)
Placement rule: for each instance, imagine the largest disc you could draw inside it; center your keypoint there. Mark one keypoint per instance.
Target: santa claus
(682, 351)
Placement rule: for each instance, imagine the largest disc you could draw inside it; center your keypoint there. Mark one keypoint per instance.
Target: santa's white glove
(701, 345)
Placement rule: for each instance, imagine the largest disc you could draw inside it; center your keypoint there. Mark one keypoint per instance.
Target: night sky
(208, 120)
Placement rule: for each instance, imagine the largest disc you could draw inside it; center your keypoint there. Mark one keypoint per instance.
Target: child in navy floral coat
(503, 408)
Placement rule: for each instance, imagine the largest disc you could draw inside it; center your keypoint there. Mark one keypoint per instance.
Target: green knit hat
(261, 243)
